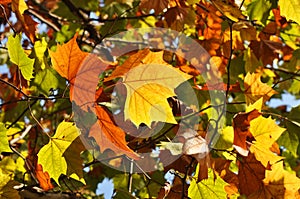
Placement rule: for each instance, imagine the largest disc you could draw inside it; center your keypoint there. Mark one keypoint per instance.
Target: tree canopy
(166, 98)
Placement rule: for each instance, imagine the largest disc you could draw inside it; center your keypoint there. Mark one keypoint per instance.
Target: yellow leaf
(264, 155)
(148, 87)
(278, 183)
(290, 9)
(265, 132)
(255, 89)
(19, 6)
(154, 103)
(51, 155)
(256, 105)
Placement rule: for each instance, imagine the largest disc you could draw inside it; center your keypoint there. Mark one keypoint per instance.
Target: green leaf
(19, 57)
(207, 188)
(260, 9)
(290, 139)
(290, 9)
(4, 146)
(39, 48)
(47, 79)
(51, 155)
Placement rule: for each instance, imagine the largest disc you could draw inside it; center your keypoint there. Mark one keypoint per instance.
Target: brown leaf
(250, 175)
(29, 26)
(241, 125)
(267, 50)
(157, 5)
(164, 191)
(221, 166)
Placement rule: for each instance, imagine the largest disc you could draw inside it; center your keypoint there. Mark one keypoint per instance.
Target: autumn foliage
(165, 98)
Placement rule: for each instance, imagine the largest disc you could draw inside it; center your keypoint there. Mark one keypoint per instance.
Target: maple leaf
(290, 9)
(51, 156)
(143, 98)
(267, 50)
(213, 187)
(255, 89)
(265, 132)
(157, 5)
(250, 175)
(67, 58)
(4, 146)
(39, 48)
(18, 56)
(43, 178)
(241, 125)
(5, 2)
(279, 183)
(73, 64)
(228, 9)
(108, 135)
(142, 82)
(7, 186)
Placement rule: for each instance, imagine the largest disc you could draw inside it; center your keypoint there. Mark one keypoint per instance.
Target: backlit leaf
(259, 9)
(51, 155)
(18, 56)
(4, 146)
(241, 124)
(67, 59)
(213, 187)
(290, 9)
(7, 186)
(72, 63)
(39, 48)
(143, 83)
(157, 5)
(108, 135)
(255, 89)
(250, 175)
(19, 6)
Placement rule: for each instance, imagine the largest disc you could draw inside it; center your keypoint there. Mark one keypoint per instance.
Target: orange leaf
(73, 64)
(5, 1)
(43, 178)
(241, 125)
(144, 56)
(255, 89)
(67, 59)
(108, 135)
